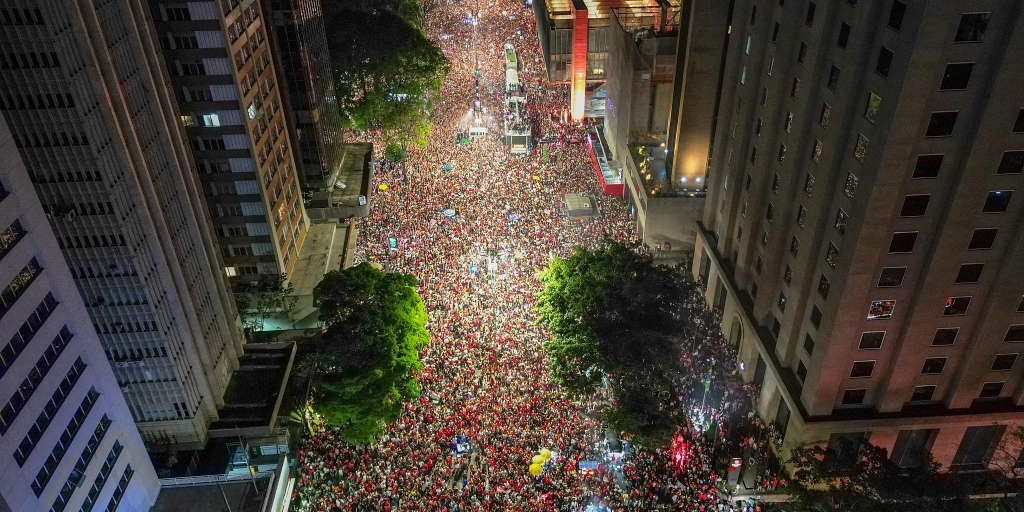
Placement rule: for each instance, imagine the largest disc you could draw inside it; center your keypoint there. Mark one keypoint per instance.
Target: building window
(826, 112)
(823, 286)
(1020, 306)
(764, 90)
(881, 309)
(782, 153)
(764, 237)
(757, 127)
(956, 76)
(753, 155)
(776, 328)
(795, 89)
(788, 126)
(808, 183)
(844, 36)
(976, 447)
(854, 396)
(1014, 334)
(775, 183)
(808, 344)
(753, 290)
(915, 205)
(801, 216)
(997, 201)
(956, 306)
(775, 32)
(787, 276)
(809, 20)
(871, 340)
(833, 77)
(972, 27)
(941, 124)
(1018, 125)
(743, 76)
(758, 265)
(841, 220)
(801, 372)
(832, 256)
(969, 273)
(746, 48)
(896, 15)
(873, 106)
(991, 390)
(922, 393)
(933, 365)
(902, 242)
(816, 151)
(884, 61)
(802, 54)
(794, 246)
(862, 369)
(782, 302)
(1012, 163)
(861, 149)
(945, 336)
(927, 166)
(815, 317)
(1004, 362)
(770, 212)
(891, 277)
(982, 238)
(850, 189)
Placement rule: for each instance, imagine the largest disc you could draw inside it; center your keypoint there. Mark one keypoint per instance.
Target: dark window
(982, 238)
(833, 77)
(844, 35)
(1015, 334)
(802, 54)
(977, 446)
(854, 396)
(862, 369)
(956, 76)
(891, 277)
(753, 15)
(991, 390)
(945, 336)
(758, 264)
(941, 124)
(808, 344)
(896, 15)
(969, 273)
(903, 242)
(810, 14)
(1018, 125)
(956, 306)
(1020, 306)
(972, 27)
(823, 286)
(922, 394)
(915, 205)
(782, 302)
(801, 371)
(775, 32)
(794, 246)
(997, 201)
(841, 220)
(787, 276)
(1012, 163)
(1004, 362)
(832, 256)
(884, 61)
(927, 166)
(770, 213)
(753, 155)
(933, 365)
(871, 340)
(776, 328)
(816, 316)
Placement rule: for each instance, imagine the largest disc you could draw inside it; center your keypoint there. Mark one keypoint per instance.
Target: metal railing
(187, 481)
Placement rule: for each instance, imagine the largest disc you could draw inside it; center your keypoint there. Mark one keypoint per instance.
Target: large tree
(864, 479)
(613, 317)
(387, 71)
(366, 361)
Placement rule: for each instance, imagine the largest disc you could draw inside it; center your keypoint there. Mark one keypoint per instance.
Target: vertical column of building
(67, 438)
(223, 74)
(112, 173)
(578, 81)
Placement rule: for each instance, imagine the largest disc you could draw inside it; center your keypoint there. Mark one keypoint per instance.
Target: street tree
(264, 298)
(365, 363)
(866, 480)
(614, 316)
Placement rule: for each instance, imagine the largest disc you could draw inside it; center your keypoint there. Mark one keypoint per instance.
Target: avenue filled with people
(475, 226)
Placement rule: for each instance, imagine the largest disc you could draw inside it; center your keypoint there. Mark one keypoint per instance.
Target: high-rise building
(305, 66)
(67, 438)
(862, 231)
(85, 94)
(222, 70)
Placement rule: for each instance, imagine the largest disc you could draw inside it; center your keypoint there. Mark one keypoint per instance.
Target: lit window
(881, 309)
(230, 271)
(211, 120)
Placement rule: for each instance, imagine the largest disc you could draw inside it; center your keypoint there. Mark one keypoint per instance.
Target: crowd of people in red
(485, 376)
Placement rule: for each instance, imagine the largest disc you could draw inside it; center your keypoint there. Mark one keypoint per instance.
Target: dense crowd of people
(475, 226)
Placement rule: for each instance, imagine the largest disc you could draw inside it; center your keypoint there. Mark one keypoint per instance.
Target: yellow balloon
(535, 469)
(538, 459)
(383, 187)
(545, 453)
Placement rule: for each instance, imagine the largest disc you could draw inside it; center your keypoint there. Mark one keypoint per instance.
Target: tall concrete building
(862, 231)
(222, 70)
(67, 438)
(86, 96)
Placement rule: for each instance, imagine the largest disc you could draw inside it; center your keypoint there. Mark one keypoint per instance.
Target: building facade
(84, 91)
(862, 231)
(67, 438)
(222, 70)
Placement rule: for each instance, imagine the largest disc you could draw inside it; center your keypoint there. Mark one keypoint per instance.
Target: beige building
(862, 230)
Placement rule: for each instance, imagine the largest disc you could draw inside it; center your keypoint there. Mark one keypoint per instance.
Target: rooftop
(253, 397)
(350, 195)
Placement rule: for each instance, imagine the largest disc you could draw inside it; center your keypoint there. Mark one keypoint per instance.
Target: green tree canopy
(613, 315)
(366, 361)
